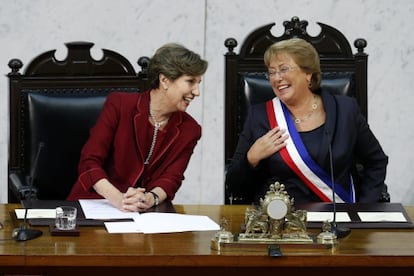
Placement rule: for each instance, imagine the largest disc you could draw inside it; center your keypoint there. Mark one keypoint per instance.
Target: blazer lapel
(170, 137)
(329, 104)
(140, 119)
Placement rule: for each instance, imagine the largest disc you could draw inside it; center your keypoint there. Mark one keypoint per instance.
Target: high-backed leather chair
(343, 72)
(53, 105)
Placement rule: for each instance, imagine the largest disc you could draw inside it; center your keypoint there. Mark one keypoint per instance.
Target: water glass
(65, 218)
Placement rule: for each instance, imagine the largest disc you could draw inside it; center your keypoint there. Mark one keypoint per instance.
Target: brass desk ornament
(327, 236)
(222, 236)
(275, 221)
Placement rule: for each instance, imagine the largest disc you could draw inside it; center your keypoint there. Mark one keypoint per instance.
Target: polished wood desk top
(95, 247)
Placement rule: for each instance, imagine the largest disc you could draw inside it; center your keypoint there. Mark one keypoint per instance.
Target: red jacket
(114, 148)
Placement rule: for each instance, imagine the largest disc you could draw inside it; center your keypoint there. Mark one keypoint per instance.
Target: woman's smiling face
(288, 81)
(182, 91)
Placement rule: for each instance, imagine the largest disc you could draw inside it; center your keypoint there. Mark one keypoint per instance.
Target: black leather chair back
(54, 104)
(61, 123)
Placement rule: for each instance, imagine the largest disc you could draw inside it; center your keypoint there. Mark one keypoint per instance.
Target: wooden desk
(368, 251)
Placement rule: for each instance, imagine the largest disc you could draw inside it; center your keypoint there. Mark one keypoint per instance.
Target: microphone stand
(339, 231)
(24, 233)
(331, 231)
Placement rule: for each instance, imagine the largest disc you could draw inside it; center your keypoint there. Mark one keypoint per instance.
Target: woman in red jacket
(141, 144)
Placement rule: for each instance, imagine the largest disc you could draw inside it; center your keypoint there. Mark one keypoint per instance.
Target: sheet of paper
(327, 216)
(150, 223)
(123, 227)
(35, 213)
(102, 209)
(382, 216)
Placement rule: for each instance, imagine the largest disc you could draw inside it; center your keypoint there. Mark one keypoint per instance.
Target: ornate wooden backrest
(55, 103)
(245, 73)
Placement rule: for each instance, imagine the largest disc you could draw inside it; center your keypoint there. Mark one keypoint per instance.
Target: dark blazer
(345, 131)
(115, 151)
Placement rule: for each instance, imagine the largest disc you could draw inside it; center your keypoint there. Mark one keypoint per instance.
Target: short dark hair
(174, 60)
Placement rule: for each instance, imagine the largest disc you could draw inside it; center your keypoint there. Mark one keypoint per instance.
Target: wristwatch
(156, 198)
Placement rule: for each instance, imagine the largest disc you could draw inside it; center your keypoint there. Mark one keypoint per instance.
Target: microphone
(24, 233)
(339, 231)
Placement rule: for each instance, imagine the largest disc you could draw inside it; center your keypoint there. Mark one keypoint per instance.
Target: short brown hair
(304, 55)
(174, 60)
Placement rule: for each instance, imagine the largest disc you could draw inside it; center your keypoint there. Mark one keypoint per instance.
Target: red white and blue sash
(298, 159)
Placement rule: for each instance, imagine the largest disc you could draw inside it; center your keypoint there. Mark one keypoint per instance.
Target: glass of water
(65, 218)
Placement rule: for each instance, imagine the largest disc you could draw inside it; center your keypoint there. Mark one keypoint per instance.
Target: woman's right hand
(273, 141)
(136, 200)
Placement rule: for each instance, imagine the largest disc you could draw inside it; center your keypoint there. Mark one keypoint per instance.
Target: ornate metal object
(275, 219)
(222, 236)
(327, 236)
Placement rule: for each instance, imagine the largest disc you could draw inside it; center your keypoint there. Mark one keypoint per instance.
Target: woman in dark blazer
(302, 133)
(141, 144)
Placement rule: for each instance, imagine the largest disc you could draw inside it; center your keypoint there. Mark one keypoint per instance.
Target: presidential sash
(296, 156)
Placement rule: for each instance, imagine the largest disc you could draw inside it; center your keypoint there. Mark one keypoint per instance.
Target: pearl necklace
(157, 126)
(314, 107)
